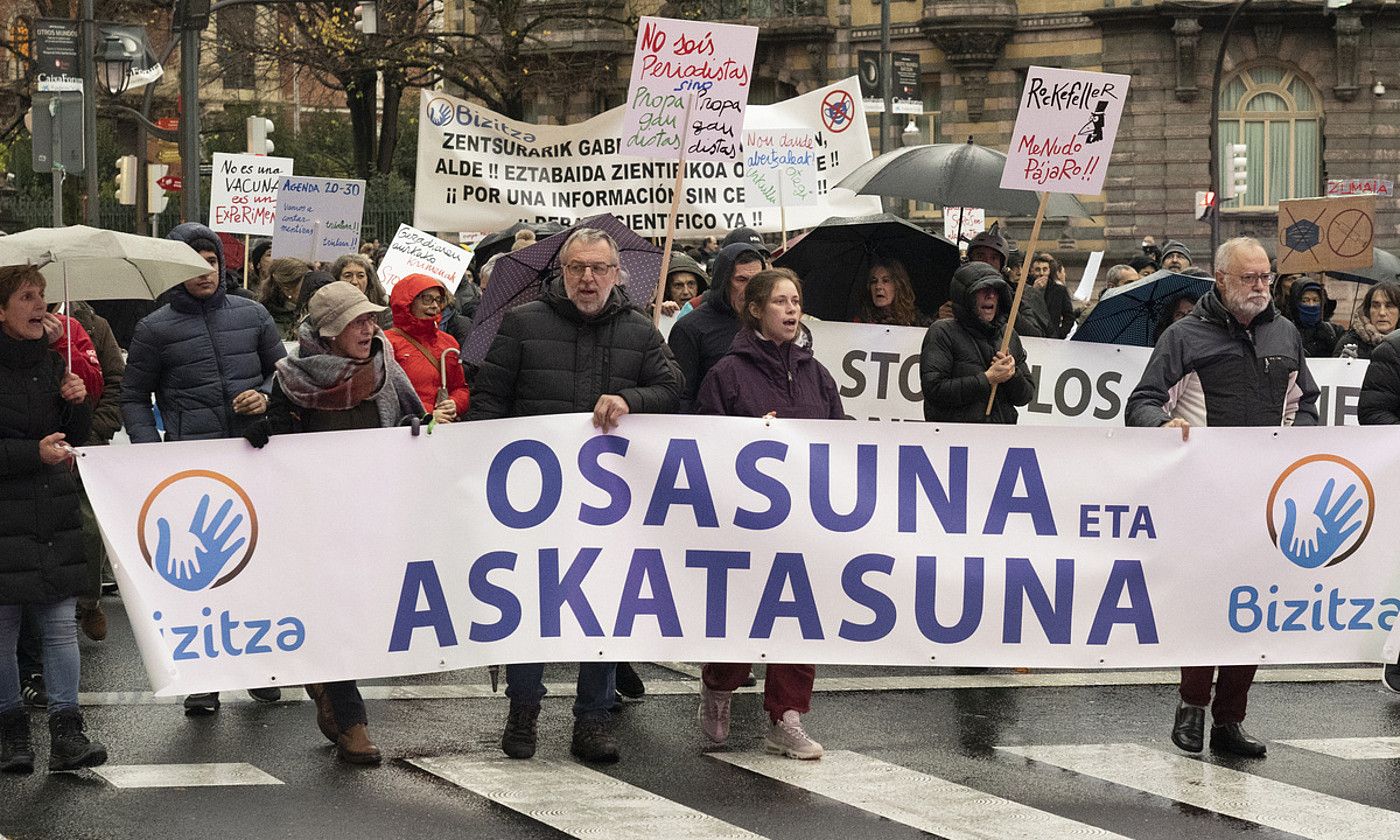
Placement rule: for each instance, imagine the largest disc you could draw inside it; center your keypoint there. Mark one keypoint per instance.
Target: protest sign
(960, 224)
(1085, 290)
(1326, 234)
(780, 168)
(243, 193)
(1078, 383)
(416, 252)
(745, 540)
(479, 170)
(689, 88)
(318, 219)
(1065, 127)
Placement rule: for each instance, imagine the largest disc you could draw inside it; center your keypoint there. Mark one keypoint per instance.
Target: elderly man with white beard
(1234, 361)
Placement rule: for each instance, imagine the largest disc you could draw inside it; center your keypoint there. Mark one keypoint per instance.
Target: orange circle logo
(1320, 511)
(204, 529)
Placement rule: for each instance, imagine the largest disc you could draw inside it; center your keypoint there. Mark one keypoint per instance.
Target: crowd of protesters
(210, 360)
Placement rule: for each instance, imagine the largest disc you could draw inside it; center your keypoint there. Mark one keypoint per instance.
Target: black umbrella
(500, 242)
(521, 276)
(1384, 266)
(834, 260)
(953, 175)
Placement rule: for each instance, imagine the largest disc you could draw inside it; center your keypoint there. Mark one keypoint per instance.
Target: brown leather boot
(325, 712)
(92, 619)
(355, 747)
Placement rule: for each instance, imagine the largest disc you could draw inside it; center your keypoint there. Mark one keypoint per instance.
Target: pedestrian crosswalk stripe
(923, 802)
(184, 775)
(577, 801)
(1351, 749)
(1244, 796)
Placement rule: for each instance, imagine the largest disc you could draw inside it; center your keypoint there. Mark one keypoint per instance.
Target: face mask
(1309, 316)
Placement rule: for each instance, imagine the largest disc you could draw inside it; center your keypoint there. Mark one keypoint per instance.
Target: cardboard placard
(1065, 128)
(1326, 234)
(318, 219)
(780, 168)
(416, 252)
(243, 193)
(678, 60)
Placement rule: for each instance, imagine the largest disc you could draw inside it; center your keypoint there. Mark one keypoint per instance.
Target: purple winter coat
(758, 376)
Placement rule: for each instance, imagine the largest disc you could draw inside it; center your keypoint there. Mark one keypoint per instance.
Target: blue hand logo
(439, 112)
(1337, 525)
(213, 553)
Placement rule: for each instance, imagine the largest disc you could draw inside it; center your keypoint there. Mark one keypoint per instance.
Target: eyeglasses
(429, 300)
(1267, 278)
(575, 271)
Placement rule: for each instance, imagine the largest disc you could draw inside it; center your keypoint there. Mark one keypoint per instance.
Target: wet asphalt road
(951, 734)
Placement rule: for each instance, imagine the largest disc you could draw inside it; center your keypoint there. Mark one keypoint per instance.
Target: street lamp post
(87, 50)
(1215, 125)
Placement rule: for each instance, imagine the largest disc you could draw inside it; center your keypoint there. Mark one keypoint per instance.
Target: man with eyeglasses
(1234, 361)
(581, 348)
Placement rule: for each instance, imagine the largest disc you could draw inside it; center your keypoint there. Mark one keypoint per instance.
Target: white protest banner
(1065, 127)
(479, 170)
(960, 224)
(243, 193)
(780, 168)
(691, 69)
(745, 540)
(1078, 383)
(318, 219)
(416, 252)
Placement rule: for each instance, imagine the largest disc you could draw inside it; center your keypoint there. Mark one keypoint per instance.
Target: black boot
(16, 753)
(629, 685)
(518, 741)
(69, 748)
(1188, 733)
(592, 741)
(1231, 738)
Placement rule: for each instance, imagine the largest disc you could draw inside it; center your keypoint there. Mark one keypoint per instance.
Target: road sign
(170, 183)
(63, 130)
(168, 123)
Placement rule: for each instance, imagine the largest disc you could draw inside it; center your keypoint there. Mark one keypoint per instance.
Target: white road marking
(183, 775)
(927, 803)
(1351, 749)
(577, 801)
(892, 682)
(1204, 785)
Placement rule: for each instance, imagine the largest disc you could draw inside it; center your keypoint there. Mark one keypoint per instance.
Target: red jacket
(423, 371)
(85, 363)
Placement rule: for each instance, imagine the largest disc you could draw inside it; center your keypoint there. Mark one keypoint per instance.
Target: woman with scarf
(420, 346)
(344, 378)
(1374, 319)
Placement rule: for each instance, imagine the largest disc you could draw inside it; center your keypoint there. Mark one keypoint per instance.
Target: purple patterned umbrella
(521, 276)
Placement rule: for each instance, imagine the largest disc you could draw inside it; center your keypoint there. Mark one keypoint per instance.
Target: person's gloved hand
(258, 434)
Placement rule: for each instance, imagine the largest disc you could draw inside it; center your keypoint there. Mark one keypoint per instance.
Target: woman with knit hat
(420, 346)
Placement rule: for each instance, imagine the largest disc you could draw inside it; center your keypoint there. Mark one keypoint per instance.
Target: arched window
(1277, 115)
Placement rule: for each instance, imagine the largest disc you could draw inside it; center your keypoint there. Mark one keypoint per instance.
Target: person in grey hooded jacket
(703, 337)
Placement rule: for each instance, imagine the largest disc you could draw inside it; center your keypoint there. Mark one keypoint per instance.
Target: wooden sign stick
(1020, 289)
(245, 260)
(671, 219)
(782, 213)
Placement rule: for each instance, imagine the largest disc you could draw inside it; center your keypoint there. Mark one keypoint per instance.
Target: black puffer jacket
(41, 544)
(704, 336)
(958, 351)
(196, 356)
(548, 358)
(1380, 390)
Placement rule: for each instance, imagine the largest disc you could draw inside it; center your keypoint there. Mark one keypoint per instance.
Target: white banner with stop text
(317, 558)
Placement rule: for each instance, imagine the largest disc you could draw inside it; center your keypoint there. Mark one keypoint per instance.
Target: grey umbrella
(1384, 266)
(953, 175)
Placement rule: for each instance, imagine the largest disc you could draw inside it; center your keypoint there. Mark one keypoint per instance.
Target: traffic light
(367, 18)
(1239, 169)
(1205, 202)
(258, 141)
(127, 179)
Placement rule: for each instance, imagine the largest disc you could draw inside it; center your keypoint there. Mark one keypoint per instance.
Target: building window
(239, 67)
(1277, 115)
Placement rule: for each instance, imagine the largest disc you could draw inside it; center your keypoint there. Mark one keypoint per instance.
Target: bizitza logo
(203, 527)
(1320, 511)
(439, 112)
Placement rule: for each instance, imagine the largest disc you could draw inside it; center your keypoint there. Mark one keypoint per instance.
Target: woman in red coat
(417, 302)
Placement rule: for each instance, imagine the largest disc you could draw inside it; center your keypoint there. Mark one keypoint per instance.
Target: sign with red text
(960, 224)
(243, 193)
(1065, 127)
(780, 168)
(694, 67)
(416, 252)
(1360, 186)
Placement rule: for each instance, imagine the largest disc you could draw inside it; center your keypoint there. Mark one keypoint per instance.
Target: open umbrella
(521, 276)
(1384, 266)
(501, 241)
(89, 263)
(833, 259)
(953, 175)
(1129, 314)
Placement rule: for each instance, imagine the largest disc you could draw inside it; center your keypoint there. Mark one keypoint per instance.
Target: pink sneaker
(787, 737)
(714, 713)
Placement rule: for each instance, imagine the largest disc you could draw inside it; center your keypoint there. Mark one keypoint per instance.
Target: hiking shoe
(714, 713)
(1390, 678)
(266, 695)
(592, 741)
(92, 620)
(787, 737)
(198, 705)
(69, 747)
(16, 753)
(518, 740)
(629, 685)
(31, 689)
